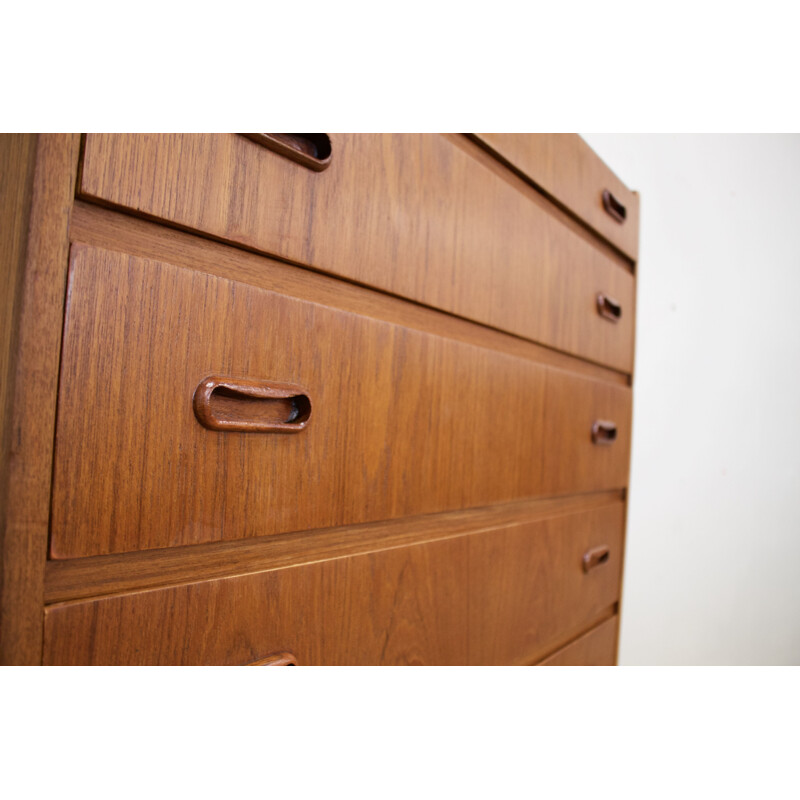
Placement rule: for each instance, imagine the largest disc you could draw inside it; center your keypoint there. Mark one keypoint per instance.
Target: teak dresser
(313, 399)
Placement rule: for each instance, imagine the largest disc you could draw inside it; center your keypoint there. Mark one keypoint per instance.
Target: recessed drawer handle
(604, 432)
(613, 206)
(276, 660)
(608, 307)
(312, 150)
(595, 557)
(234, 404)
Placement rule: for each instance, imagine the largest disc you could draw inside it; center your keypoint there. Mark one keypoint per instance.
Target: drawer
(414, 215)
(534, 587)
(416, 604)
(576, 456)
(565, 167)
(597, 648)
(401, 606)
(398, 421)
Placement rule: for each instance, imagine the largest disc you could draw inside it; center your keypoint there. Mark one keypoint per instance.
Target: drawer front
(597, 648)
(414, 215)
(576, 456)
(568, 169)
(402, 421)
(402, 606)
(417, 604)
(529, 587)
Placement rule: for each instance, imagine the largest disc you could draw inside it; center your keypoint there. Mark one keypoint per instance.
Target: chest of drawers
(314, 399)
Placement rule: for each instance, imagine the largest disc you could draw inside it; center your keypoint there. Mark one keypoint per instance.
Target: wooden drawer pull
(276, 660)
(595, 557)
(240, 404)
(608, 307)
(312, 150)
(604, 432)
(613, 206)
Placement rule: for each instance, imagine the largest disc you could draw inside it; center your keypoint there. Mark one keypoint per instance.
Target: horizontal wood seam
(119, 231)
(77, 580)
(596, 236)
(604, 617)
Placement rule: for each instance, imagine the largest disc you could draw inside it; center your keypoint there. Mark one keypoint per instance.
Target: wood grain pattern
(572, 460)
(429, 603)
(596, 648)
(528, 587)
(79, 578)
(565, 167)
(452, 446)
(17, 162)
(413, 215)
(403, 422)
(32, 374)
(401, 606)
(111, 230)
(479, 151)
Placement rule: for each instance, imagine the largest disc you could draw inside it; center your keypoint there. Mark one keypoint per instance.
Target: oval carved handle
(251, 406)
(312, 150)
(595, 557)
(608, 308)
(614, 207)
(604, 432)
(284, 659)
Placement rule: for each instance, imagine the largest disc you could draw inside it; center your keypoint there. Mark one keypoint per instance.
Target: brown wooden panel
(597, 648)
(37, 180)
(572, 461)
(491, 596)
(17, 162)
(402, 422)
(570, 171)
(411, 214)
(77, 578)
(528, 590)
(401, 606)
(115, 230)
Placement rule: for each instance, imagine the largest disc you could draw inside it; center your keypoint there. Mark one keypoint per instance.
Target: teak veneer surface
(565, 167)
(528, 589)
(77, 578)
(428, 603)
(39, 182)
(401, 606)
(114, 230)
(17, 163)
(402, 422)
(410, 214)
(572, 462)
(597, 648)
(445, 499)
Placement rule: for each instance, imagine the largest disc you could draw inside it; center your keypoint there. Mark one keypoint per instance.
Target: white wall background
(712, 572)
